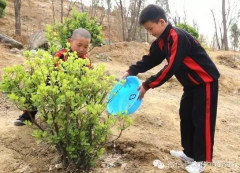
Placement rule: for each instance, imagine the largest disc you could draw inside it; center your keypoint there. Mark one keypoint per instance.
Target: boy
(79, 42)
(193, 68)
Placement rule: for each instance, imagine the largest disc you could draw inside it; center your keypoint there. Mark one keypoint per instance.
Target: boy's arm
(149, 61)
(179, 46)
(60, 55)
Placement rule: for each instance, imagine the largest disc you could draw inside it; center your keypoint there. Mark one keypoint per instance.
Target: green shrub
(3, 5)
(195, 34)
(71, 105)
(64, 31)
(189, 29)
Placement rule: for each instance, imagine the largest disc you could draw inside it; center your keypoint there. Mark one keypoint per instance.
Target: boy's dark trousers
(26, 115)
(198, 109)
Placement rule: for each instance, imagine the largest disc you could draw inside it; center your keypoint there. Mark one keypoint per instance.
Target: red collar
(83, 57)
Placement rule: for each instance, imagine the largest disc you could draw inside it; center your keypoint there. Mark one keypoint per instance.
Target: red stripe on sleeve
(171, 59)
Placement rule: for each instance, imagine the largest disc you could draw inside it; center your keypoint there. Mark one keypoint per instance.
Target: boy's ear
(161, 21)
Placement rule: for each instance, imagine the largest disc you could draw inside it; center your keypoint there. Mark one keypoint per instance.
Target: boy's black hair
(152, 13)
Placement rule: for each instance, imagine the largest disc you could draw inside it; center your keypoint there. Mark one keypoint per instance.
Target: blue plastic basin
(124, 97)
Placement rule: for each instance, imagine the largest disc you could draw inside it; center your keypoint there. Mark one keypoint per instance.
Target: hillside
(36, 14)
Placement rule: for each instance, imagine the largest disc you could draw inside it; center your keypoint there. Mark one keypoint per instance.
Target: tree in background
(174, 17)
(235, 35)
(129, 17)
(109, 5)
(176, 20)
(70, 7)
(53, 12)
(140, 4)
(3, 5)
(62, 13)
(165, 5)
(17, 7)
(225, 38)
(230, 14)
(103, 13)
(120, 5)
(82, 7)
(215, 38)
(93, 8)
(195, 25)
(203, 41)
(132, 17)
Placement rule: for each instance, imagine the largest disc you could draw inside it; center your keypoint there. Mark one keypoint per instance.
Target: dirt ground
(156, 124)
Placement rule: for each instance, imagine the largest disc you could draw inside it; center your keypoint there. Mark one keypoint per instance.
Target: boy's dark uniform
(61, 54)
(193, 68)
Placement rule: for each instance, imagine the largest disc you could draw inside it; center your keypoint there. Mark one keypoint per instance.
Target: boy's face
(80, 45)
(155, 29)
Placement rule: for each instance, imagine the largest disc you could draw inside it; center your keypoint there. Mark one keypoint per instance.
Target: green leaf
(49, 122)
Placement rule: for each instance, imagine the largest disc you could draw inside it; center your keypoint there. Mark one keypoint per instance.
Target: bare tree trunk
(136, 21)
(53, 12)
(70, 7)
(216, 30)
(12, 42)
(165, 5)
(120, 5)
(103, 13)
(102, 17)
(213, 42)
(61, 11)
(185, 16)
(109, 27)
(95, 11)
(126, 20)
(232, 14)
(176, 20)
(133, 13)
(95, 8)
(109, 22)
(221, 35)
(91, 9)
(225, 39)
(82, 7)
(17, 7)
(123, 33)
(195, 25)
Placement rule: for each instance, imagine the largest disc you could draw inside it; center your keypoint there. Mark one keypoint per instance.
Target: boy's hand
(126, 74)
(142, 91)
